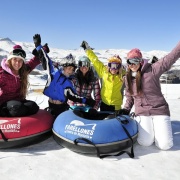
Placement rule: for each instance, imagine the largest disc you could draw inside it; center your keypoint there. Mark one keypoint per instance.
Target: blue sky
(104, 24)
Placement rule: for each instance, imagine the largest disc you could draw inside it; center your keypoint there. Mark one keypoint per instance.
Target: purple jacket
(151, 101)
(10, 84)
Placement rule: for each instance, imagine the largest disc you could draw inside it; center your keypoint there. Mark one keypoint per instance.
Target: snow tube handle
(3, 136)
(89, 142)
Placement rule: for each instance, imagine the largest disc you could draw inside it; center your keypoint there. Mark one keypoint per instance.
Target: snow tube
(107, 134)
(22, 131)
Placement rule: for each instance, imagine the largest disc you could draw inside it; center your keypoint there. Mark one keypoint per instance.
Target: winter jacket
(61, 87)
(151, 101)
(10, 84)
(86, 91)
(111, 84)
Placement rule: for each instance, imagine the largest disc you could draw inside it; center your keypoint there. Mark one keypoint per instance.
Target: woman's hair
(89, 77)
(23, 73)
(138, 80)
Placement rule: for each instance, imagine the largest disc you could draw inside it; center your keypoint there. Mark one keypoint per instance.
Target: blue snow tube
(107, 134)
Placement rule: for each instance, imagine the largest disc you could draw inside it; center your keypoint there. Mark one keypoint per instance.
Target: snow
(49, 161)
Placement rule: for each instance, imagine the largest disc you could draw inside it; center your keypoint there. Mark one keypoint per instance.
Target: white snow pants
(155, 129)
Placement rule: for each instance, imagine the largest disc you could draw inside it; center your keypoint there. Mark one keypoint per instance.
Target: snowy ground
(49, 161)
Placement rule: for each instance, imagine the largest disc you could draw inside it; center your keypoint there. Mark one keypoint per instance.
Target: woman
(111, 77)
(143, 90)
(14, 84)
(86, 83)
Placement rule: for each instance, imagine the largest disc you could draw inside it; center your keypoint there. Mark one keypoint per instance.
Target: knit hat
(84, 61)
(134, 56)
(134, 53)
(115, 59)
(68, 61)
(17, 52)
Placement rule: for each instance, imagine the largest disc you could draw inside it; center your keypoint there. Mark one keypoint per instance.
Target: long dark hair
(138, 81)
(87, 79)
(23, 74)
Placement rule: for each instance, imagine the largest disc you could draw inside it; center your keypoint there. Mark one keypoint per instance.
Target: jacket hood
(6, 67)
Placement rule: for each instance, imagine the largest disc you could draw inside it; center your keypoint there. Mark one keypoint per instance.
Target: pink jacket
(151, 101)
(10, 83)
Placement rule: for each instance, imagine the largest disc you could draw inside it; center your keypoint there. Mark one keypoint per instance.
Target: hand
(85, 45)
(37, 40)
(46, 48)
(92, 112)
(90, 102)
(124, 112)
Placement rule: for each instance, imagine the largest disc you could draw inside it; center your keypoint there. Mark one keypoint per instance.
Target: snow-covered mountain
(6, 45)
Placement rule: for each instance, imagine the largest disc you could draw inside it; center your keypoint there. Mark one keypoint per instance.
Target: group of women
(69, 86)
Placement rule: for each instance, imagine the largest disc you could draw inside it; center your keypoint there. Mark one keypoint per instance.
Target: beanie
(17, 52)
(134, 54)
(115, 59)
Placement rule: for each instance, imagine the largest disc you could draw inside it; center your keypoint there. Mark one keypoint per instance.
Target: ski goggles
(19, 52)
(83, 64)
(114, 66)
(134, 61)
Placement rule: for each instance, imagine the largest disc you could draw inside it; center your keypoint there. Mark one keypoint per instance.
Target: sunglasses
(83, 64)
(19, 52)
(114, 66)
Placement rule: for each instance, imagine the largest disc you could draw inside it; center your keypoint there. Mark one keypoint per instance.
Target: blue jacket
(59, 86)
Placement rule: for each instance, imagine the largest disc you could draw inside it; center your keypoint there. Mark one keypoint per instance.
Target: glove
(90, 102)
(154, 59)
(85, 45)
(46, 48)
(92, 112)
(124, 112)
(37, 40)
(35, 52)
(39, 54)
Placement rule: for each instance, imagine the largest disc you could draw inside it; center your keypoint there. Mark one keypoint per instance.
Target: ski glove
(39, 54)
(124, 112)
(85, 45)
(46, 48)
(35, 53)
(90, 102)
(37, 40)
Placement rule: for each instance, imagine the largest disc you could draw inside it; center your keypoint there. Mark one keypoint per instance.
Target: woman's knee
(165, 145)
(145, 141)
(16, 108)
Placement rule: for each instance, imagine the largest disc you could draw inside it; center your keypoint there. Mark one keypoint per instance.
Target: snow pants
(15, 108)
(155, 129)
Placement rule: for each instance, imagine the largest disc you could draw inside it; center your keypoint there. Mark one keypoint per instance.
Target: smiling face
(134, 67)
(68, 71)
(113, 71)
(16, 64)
(84, 69)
